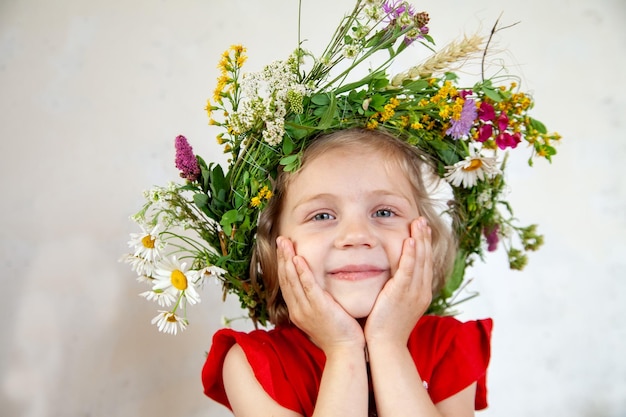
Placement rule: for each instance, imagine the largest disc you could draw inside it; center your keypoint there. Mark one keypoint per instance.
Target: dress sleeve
(464, 358)
(267, 355)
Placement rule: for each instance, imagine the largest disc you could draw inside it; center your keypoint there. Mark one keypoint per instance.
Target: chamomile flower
(473, 168)
(168, 322)
(142, 266)
(211, 272)
(147, 245)
(172, 276)
(163, 298)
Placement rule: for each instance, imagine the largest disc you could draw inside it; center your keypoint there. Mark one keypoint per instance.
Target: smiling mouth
(356, 272)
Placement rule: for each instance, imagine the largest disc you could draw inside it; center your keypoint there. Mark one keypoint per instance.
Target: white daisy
(168, 322)
(172, 276)
(473, 168)
(165, 299)
(142, 266)
(147, 245)
(211, 272)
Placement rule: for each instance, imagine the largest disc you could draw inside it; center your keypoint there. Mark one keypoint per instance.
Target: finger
(423, 264)
(406, 266)
(287, 275)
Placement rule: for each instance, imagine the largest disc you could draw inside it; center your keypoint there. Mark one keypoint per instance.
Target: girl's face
(347, 213)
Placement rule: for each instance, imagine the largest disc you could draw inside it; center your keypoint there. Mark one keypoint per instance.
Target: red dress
(450, 355)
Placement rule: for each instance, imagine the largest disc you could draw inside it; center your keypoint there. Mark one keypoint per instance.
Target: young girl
(351, 249)
(335, 240)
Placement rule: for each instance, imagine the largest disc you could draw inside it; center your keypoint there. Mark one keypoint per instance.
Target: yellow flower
(238, 49)
(389, 109)
(372, 124)
(255, 201)
(265, 193)
(457, 108)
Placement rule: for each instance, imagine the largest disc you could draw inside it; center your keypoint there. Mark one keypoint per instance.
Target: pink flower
(491, 234)
(484, 133)
(503, 121)
(486, 112)
(186, 161)
(506, 140)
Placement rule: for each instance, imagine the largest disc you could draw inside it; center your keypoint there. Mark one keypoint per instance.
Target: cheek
(394, 251)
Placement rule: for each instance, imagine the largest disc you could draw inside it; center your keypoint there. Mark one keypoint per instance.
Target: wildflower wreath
(204, 228)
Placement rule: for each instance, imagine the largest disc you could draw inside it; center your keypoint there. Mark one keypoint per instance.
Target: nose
(354, 231)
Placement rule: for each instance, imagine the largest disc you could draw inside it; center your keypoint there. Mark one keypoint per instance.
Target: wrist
(351, 351)
(377, 347)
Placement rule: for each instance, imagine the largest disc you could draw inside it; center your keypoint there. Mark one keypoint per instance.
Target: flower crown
(204, 228)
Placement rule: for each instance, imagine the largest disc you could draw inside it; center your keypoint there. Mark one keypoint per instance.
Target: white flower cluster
(171, 279)
(265, 100)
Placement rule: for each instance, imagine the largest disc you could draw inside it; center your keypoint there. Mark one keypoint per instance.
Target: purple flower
(396, 8)
(491, 234)
(186, 161)
(462, 126)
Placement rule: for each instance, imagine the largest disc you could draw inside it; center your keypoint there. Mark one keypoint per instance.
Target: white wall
(92, 95)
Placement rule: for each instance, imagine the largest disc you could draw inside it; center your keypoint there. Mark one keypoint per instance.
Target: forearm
(398, 388)
(343, 388)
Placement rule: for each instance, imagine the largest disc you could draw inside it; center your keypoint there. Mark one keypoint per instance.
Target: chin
(358, 308)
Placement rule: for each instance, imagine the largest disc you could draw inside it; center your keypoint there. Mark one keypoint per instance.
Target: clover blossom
(186, 160)
(491, 234)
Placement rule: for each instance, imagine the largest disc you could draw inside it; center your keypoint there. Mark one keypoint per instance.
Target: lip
(356, 272)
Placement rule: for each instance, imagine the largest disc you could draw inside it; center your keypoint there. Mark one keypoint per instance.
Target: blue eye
(383, 213)
(322, 216)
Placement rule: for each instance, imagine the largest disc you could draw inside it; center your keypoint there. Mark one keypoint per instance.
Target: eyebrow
(374, 193)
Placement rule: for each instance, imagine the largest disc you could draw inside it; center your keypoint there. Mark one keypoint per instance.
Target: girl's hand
(407, 295)
(311, 308)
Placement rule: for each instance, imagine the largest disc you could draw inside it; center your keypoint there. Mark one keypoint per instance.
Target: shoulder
(451, 354)
(441, 331)
(245, 394)
(282, 361)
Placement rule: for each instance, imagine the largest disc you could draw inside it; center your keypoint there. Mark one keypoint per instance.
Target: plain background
(92, 95)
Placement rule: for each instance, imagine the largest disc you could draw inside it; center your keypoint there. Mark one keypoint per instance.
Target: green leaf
(492, 94)
(287, 145)
(363, 81)
(456, 277)
(320, 99)
(201, 199)
(537, 125)
(415, 85)
(290, 159)
(378, 100)
(229, 217)
(218, 181)
(329, 116)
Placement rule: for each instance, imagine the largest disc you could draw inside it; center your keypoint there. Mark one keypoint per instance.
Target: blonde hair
(410, 160)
